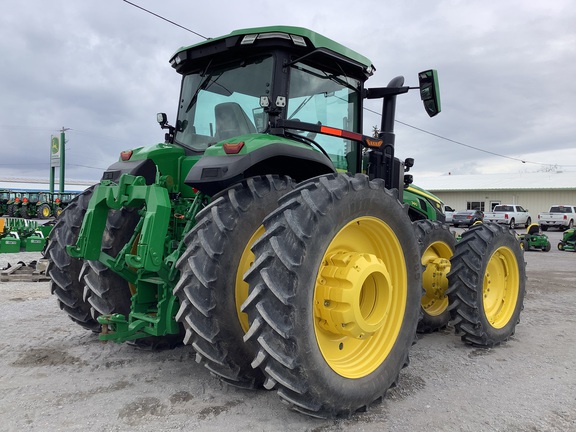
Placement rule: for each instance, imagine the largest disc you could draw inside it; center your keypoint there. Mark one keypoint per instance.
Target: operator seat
(231, 120)
(533, 229)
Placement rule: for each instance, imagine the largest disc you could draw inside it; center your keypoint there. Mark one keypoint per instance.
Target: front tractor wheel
(334, 295)
(211, 288)
(437, 245)
(487, 285)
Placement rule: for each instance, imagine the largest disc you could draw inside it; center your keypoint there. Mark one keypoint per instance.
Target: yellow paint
(360, 297)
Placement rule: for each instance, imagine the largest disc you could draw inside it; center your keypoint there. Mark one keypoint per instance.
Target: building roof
(511, 181)
(41, 185)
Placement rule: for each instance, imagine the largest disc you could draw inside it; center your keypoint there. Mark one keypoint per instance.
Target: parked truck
(257, 234)
(509, 214)
(559, 216)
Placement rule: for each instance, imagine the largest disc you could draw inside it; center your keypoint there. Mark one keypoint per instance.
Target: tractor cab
(257, 100)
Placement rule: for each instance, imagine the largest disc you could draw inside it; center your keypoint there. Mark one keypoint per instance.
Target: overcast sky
(100, 68)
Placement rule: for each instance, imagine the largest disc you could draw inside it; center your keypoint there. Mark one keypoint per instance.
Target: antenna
(165, 19)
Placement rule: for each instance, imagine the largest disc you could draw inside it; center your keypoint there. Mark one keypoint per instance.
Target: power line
(86, 166)
(467, 145)
(165, 19)
(477, 148)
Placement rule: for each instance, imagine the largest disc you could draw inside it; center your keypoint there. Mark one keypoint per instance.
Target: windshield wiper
(202, 86)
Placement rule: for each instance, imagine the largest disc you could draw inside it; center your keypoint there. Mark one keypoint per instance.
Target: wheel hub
(434, 278)
(352, 294)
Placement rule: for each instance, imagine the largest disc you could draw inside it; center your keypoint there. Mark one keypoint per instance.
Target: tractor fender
(211, 174)
(144, 167)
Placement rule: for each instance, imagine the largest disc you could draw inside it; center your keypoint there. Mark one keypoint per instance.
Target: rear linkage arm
(153, 304)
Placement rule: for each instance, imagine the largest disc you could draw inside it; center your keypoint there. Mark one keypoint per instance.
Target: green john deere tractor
(60, 201)
(4, 198)
(35, 205)
(568, 242)
(270, 234)
(13, 204)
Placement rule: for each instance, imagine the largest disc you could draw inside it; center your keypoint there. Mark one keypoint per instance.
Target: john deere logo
(55, 145)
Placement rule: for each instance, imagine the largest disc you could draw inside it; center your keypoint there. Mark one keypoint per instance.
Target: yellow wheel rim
(360, 297)
(436, 260)
(500, 288)
(45, 212)
(241, 288)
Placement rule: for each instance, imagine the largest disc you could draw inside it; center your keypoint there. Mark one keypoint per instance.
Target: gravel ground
(56, 376)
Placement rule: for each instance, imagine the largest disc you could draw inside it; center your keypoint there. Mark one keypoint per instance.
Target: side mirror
(430, 92)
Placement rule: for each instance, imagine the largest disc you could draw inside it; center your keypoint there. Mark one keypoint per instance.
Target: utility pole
(54, 148)
(62, 156)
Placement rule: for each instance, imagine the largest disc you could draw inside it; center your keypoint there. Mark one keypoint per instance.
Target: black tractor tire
(487, 285)
(10, 210)
(65, 271)
(560, 246)
(44, 211)
(106, 291)
(211, 288)
(436, 244)
(334, 234)
(23, 212)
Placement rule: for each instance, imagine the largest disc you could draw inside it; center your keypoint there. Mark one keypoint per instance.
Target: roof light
(274, 35)
(251, 38)
(179, 58)
(233, 148)
(248, 39)
(298, 40)
(126, 155)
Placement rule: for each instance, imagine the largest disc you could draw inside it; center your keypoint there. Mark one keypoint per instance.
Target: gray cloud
(101, 68)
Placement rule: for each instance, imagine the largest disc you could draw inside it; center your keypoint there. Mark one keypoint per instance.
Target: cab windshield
(329, 99)
(221, 102)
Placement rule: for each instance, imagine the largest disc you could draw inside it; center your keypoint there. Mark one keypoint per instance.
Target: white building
(535, 192)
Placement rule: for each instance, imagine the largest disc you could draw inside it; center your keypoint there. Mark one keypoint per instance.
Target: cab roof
(301, 37)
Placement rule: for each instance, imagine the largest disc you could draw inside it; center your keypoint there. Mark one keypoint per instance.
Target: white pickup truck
(509, 214)
(559, 216)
